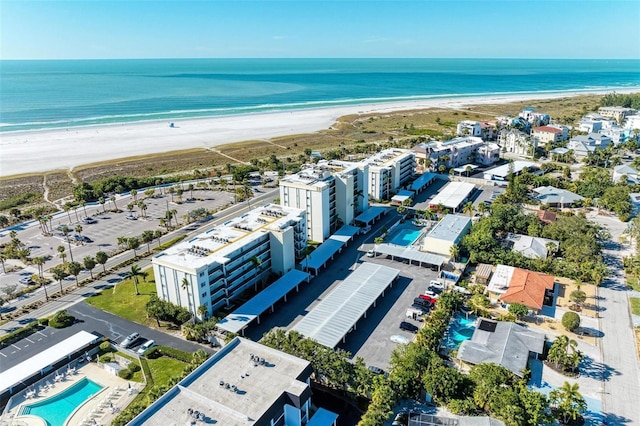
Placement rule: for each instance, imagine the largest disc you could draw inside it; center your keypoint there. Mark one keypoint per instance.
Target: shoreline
(40, 151)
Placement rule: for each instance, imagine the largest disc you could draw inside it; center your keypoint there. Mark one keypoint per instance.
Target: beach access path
(63, 149)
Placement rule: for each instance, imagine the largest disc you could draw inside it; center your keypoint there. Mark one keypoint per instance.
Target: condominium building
(616, 112)
(244, 383)
(517, 142)
(468, 128)
(217, 266)
(330, 192)
(389, 170)
(459, 151)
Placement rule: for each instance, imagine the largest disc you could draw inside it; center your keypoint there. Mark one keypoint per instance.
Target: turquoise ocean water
(60, 94)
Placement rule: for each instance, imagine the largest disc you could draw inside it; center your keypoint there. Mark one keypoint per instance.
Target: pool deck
(115, 391)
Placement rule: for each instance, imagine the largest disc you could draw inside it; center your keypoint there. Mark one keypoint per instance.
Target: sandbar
(47, 150)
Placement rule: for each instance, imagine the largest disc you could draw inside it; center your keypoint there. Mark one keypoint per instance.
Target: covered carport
(17, 378)
(422, 182)
(321, 255)
(238, 320)
(337, 314)
(345, 234)
(411, 254)
(372, 215)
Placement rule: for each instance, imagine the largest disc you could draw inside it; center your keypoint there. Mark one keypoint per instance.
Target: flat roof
(323, 417)
(463, 169)
(345, 233)
(421, 181)
(500, 279)
(453, 194)
(334, 316)
(322, 254)
(450, 227)
(410, 253)
(258, 387)
(44, 359)
(371, 214)
(241, 317)
(214, 244)
(503, 171)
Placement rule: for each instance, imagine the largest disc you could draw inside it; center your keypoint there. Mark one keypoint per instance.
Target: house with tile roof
(532, 289)
(549, 134)
(584, 144)
(547, 216)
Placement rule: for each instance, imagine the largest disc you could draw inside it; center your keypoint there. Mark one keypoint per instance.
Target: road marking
(3, 354)
(28, 340)
(41, 333)
(16, 347)
(26, 346)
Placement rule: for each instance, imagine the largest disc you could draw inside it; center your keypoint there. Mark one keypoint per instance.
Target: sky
(97, 29)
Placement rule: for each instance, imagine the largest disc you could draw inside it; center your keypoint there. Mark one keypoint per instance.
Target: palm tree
(147, 237)
(185, 286)
(132, 244)
(190, 188)
(113, 200)
(89, 263)
(134, 273)
(454, 251)
(143, 208)
(39, 261)
(74, 268)
(202, 312)
(102, 202)
(3, 257)
(157, 234)
(61, 253)
(78, 230)
(468, 208)
(568, 401)
(134, 194)
(83, 203)
(172, 191)
(59, 274)
(67, 208)
(101, 258)
(65, 231)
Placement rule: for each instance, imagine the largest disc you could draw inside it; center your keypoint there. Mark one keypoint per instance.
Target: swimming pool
(56, 409)
(460, 329)
(406, 237)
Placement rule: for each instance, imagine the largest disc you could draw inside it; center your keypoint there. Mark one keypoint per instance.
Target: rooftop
(453, 194)
(502, 343)
(386, 157)
(500, 279)
(450, 227)
(553, 195)
(313, 176)
(503, 171)
(547, 129)
(330, 320)
(530, 247)
(528, 288)
(216, 243)
(236, 386)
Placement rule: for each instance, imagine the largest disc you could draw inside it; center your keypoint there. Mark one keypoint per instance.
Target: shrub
(520, 311)
(106, 358)
(125, 374)
(134, 367)
(43, 321)
(153, 353)
(61, 319)
(105, 347)
(175, 353)
(571, 321)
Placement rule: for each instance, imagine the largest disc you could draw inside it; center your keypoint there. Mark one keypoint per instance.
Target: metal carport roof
(241, 317)
(334, 316)
(371, 214)
(322, 254)
(410, 253)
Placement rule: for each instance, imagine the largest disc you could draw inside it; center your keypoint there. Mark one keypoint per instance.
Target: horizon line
(323, 58)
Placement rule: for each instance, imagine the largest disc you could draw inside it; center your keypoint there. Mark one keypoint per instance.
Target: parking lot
(105, 231)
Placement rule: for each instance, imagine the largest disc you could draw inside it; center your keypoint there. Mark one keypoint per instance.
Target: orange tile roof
(547, 129)
(547, 216)
(528, 288)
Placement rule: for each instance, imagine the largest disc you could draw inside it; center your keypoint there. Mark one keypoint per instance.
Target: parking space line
(3, 354)
(41, 333)
(16, 347)
(28, 340)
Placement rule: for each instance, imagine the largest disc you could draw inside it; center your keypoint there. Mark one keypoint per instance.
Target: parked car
(89, 220)
(376, 370)
(370, 253)
(26, 280)
(146, 345)
(428, 298)
(407, 326)
(397, 338)
(434, 290)
(130, 340)
(420, 301)
(131, 217)
(436, 284)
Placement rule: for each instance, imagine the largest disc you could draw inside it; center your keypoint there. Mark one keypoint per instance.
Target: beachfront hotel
(245, 383)
(389, 171)
(217, 266)
(329, 192)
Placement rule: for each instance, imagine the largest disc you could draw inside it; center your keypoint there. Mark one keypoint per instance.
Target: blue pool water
(406, 237)
(460, 329)
(56, 409)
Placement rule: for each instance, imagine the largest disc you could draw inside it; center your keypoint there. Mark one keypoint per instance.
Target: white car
(396, 338)
(146, 345)
(370, 253)
(130, 340)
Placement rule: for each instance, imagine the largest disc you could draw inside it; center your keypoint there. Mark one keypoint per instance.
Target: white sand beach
(42, 151)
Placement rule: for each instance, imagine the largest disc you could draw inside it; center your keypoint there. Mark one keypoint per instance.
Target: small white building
(582, 145)
(629, 173)
(530, 247)
(550, 133)
(616, 112)
(453, 195)
(448, 232)
(469, 128)
(501, 172)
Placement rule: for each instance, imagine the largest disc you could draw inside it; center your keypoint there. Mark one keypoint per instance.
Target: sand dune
(41, 151)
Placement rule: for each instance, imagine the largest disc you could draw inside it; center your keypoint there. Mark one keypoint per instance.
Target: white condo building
(215, 267)
(389, 170)
(459, 151)
(328, 191)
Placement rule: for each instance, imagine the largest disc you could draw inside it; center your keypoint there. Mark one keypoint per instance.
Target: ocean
(66, 93)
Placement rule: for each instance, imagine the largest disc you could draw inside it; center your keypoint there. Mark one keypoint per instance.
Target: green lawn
(633, 283)
(165, 368)
(122, 301)
(635, 305)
